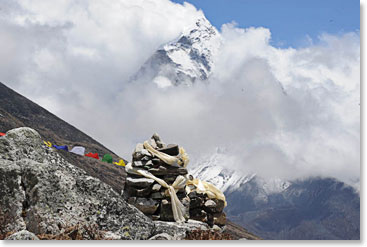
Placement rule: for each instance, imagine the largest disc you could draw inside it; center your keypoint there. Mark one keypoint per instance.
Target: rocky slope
(314, 208)
(43, 194)
(59, 187)
(18, 111)
(185, 60)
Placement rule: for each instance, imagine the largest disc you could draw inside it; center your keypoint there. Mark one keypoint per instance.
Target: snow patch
(162, 81)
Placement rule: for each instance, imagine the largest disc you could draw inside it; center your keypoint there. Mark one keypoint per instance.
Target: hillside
(17, 111)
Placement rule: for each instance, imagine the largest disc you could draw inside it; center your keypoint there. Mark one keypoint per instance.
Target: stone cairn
(153, 199)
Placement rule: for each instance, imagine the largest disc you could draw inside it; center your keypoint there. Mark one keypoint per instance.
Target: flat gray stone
(156, 187)
(178, 231)
(147, 206)
(139, 182)
(22, 235)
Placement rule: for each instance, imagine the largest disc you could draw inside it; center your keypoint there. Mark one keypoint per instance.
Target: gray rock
(155, 217)
(193, 194)
(157, 162)
(171, 149)
(156, 187)
(156, 137)
(178, 230)
(148, 164)
(216, 228)
(146, 205)
(167, 170)
(139, 147)
(166, 213)
(198, 214)
(139, 182)
(220, 219)
(146, 153)
(131, 200)
(111, 236)
(161, 170)
(210, 206)
(137, 155)
(133, 192)
(186, 203)
(219, 205)
(138, 164)
(43, 193)
(156, 195)
(162, 236)
(160, 144)
(22, 235)
(145, 158)
(196, 202)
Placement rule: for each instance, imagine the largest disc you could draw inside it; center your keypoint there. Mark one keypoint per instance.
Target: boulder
(45, 194)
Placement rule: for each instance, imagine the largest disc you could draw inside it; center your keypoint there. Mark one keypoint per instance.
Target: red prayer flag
(92, 155)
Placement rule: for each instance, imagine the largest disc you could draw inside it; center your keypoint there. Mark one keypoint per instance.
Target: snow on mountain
(219, 170)
(185, 60)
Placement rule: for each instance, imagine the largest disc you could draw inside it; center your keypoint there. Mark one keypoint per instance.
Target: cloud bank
(285, 113)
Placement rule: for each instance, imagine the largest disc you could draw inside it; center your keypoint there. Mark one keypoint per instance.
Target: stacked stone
(154, 200)
(206, 210)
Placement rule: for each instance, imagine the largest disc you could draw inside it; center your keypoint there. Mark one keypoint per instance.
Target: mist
(280, 113)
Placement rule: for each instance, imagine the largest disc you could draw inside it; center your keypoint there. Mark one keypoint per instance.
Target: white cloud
(287, 113)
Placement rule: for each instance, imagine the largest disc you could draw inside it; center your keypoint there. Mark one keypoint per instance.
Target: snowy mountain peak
(219, 169)
(185, 60)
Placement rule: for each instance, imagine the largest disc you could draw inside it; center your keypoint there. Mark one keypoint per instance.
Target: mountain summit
(185, 60)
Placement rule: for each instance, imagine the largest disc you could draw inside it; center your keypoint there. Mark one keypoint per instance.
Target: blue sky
(290, 21)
